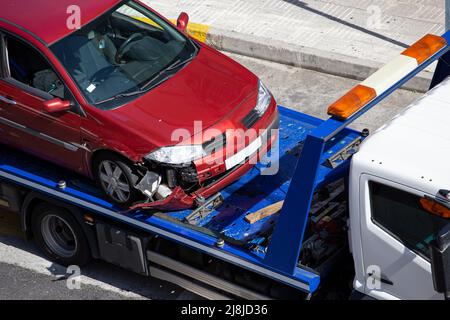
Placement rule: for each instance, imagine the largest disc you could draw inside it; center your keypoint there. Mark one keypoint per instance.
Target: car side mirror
(440, 262)
(183, 21)
(56, 105)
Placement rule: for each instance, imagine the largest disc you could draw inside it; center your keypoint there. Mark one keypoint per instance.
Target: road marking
(196, 30)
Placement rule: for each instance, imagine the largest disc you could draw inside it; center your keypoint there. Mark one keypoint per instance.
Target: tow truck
(349, 213)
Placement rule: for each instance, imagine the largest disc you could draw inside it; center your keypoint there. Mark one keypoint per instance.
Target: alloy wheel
(114, 181)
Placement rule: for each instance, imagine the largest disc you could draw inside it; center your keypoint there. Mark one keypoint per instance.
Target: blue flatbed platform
(249, 194)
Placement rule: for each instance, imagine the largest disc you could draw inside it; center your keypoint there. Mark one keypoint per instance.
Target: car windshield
(123, 54)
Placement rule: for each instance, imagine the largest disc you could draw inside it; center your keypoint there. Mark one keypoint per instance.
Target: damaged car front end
(182, 176)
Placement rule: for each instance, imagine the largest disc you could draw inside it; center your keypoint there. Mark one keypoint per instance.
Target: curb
(298, 56)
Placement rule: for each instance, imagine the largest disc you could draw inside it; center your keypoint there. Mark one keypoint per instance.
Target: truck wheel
(116, 179)
(59, 235)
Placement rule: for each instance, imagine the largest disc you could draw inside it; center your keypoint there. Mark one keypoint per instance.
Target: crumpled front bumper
(178, 200)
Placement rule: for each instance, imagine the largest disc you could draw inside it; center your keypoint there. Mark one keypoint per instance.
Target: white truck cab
(401, 163)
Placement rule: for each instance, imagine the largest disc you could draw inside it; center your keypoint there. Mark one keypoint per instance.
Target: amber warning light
(385, 78)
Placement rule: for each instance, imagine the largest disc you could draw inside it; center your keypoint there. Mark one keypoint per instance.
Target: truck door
(395, 232)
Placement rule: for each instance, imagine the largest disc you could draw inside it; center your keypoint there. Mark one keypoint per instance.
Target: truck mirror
(440, 262)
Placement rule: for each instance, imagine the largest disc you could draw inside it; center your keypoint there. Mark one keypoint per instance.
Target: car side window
(401, 214)
(29, 67)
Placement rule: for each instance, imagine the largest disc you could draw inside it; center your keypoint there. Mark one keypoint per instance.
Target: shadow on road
(18, 251)
(305, 6)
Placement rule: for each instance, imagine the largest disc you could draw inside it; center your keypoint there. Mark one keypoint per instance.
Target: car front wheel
(117, 180)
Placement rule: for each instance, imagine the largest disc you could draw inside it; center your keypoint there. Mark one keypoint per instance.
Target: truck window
(400, 214)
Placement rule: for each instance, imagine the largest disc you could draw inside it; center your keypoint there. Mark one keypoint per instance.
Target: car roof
(47, 19)
(414, 148)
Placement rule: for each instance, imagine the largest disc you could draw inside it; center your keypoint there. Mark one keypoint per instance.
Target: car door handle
(7, 100)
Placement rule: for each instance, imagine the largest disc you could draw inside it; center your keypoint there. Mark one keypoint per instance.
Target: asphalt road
(25, 274)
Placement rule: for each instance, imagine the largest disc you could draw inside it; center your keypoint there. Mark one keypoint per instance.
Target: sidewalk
(349, 38)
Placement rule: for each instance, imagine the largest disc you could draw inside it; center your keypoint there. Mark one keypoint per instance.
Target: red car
(107, 88)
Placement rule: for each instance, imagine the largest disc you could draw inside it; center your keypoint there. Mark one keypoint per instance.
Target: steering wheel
(120, 52)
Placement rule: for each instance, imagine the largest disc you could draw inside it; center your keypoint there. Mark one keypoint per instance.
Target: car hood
(208, 89)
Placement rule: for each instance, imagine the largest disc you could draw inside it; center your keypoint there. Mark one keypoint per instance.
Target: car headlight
(177, 154)
(264, 99)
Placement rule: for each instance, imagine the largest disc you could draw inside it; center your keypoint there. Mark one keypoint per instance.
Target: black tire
(41, 215)
(129, 174)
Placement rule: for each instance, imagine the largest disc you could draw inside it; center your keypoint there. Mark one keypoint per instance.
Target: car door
(28, 81)
(396, 231)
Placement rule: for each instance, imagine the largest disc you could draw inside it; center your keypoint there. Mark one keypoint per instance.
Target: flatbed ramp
(223, 232)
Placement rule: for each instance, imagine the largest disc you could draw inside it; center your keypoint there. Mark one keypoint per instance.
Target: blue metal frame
(287, 238)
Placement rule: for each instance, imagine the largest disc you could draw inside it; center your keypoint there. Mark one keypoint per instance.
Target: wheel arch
(97, 153)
